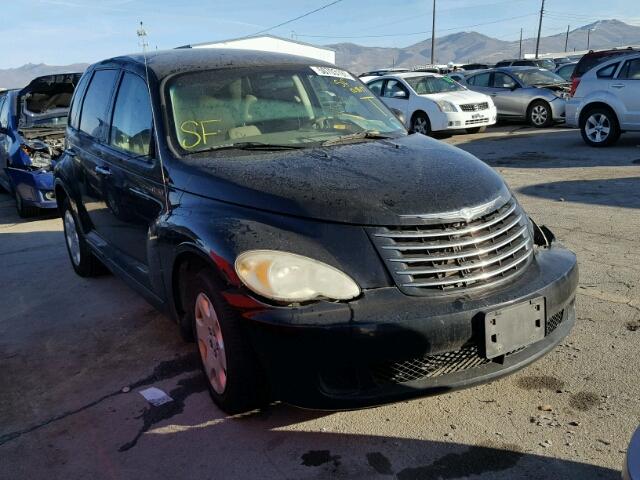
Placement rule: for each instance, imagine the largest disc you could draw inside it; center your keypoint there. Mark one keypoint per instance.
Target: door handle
(618, 85)
(102, 170)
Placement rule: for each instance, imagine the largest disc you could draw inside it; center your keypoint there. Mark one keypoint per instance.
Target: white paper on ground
(155, 396)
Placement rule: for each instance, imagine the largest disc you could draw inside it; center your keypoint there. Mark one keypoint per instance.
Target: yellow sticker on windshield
(199, 131)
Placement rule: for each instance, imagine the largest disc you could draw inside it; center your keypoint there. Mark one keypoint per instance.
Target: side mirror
(399, 94)
(514, 87)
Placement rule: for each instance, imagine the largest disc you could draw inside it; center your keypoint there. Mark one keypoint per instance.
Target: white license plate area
(508, 329)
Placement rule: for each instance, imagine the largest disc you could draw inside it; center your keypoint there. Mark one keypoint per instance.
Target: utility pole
(539, 29)
(433, 34)
(566, 39)
(520, 54)
(142, 38)
(588, 38)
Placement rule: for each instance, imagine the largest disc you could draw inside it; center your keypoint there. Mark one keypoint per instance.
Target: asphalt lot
(68, 346)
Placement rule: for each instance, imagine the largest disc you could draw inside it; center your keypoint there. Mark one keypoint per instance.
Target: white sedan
(434, 103)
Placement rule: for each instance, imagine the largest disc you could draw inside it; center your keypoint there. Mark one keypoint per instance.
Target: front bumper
(462, 120)
(330, 355)
(35, 187)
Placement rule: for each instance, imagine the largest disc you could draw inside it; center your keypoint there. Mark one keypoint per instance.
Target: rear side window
(93, 119)
(376, 87)
(74, 113)
(481, 80)
(502, 80)
(630, 70)
(132, 119)
(608, 71)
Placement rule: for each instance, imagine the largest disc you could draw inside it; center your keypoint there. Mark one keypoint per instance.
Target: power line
(297, 18)
(418, 33)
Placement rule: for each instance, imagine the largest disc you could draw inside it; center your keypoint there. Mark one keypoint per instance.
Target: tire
(25, 211)
(420, 124)
(233, 374)
(539, 114)
(476, 130)
(599, 127)
(83, 261)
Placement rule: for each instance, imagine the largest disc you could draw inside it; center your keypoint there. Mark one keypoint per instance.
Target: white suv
(607, 101)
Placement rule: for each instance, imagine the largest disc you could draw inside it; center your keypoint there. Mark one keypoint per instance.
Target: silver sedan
(523, 93)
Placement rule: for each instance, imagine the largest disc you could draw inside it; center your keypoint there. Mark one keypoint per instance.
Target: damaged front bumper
(35, 187)
(386, 346)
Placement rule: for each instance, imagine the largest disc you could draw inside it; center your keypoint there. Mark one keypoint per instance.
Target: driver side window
(376, 87)
(395, 89)
(502, 80)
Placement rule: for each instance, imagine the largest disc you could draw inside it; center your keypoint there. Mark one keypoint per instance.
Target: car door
(87, 146)
(132, 181)
(396, 96)
(480, 82)
(507, 95)
(627, 88)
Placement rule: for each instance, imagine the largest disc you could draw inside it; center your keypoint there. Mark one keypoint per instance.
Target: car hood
(388, 182)
(459, 97)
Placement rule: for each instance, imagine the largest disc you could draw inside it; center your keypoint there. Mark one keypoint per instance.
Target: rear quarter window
(608, 71)
(93, 119)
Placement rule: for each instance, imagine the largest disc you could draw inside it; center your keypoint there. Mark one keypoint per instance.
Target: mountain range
(459, 47)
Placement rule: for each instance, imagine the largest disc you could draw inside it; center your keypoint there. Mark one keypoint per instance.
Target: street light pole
(520, 51)
(433, 34)
(588, 38)
(566, 39)
(539, 29)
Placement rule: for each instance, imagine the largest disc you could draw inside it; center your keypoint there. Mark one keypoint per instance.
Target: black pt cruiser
(314, 251)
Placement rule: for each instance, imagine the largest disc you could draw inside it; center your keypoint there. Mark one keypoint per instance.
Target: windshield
(429, 84)
(547, 63)
(300, 106)
(537, 76)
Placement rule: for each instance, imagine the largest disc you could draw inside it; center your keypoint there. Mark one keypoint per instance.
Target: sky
(60, 32)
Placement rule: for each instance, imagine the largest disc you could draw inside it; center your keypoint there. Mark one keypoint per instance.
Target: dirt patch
(541, 382)
(584, 401)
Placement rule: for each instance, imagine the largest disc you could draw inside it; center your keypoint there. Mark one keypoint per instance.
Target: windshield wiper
(365, 134)
(255, 146)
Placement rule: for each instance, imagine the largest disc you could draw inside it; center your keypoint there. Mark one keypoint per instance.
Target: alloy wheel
(539, 115)
(71, 235)
(420, 125)
(598, 127)
(211, 343)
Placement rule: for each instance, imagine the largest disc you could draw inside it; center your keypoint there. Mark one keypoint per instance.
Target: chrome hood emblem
(465, 214)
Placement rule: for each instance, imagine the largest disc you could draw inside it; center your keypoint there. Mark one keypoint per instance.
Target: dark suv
(315, 251)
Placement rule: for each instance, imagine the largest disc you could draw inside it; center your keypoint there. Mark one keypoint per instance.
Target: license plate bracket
(507, 329)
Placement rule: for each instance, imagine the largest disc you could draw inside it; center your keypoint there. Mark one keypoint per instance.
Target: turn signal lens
(288, 277)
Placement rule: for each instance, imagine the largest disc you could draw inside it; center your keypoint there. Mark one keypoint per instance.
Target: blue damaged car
(32, 127)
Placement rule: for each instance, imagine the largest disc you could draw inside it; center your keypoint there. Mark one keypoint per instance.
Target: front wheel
(599, 128)
(233, 373)
(82, 258)
(420, 124)
(540, 114)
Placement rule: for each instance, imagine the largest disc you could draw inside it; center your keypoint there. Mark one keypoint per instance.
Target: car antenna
(142, 36)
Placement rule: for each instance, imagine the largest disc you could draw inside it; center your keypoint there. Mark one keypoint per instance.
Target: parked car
(32, 123)
(475, 66)
(383, 71)
(565, 70)
(458, 76)
(434, 103)
(561, 61)
(315, 251)
(607, 101)
(523, 93)
(593, 59)
(545, 63)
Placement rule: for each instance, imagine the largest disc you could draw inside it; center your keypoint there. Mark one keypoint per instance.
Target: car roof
(168, 62)
(414, 74)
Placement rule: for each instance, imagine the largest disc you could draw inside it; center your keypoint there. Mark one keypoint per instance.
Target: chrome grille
(474, 107)
(457, 255)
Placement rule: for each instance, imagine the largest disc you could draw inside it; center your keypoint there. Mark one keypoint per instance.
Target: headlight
(288, 277)
(445, 106)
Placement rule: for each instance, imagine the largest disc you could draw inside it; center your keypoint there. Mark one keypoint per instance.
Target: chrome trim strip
(473, 278)
(463, 243)
(444, 233)
(457, 255)
(468, 265)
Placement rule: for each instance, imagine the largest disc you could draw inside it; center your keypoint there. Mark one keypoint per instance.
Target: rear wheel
(420, 124)
(25, 211)
(234, 376)
(599, 127)
(540, 114)
(83, 261)
(476, 130)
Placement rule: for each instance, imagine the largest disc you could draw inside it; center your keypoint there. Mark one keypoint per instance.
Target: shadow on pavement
(615, 192)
